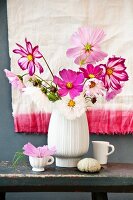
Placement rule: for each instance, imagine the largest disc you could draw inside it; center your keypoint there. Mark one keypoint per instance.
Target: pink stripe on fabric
(110, 121)
(32, 123)
(100, 122)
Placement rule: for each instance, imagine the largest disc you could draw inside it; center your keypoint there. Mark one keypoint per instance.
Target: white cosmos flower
(94, 87)
(71, 108)
(40, 100)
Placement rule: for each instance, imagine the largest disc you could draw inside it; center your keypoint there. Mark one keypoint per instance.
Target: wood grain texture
(111, 178)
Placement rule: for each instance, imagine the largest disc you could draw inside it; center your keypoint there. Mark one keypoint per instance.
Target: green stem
(48, 66)
(25, 74)
(43, 80)
(85, 81)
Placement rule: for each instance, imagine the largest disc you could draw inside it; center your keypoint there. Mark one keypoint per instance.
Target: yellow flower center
(93, 84)
(109, 71)
(88, 47)
(30, 57)
(82, 62)
(71, 103)
(69, 85)
(91, 76)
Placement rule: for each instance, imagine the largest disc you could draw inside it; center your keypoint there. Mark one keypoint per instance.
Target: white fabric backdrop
(50, 23)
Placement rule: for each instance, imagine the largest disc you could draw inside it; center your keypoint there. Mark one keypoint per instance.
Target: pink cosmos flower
(14, 80)
(29, 56)
(114, 73)
(70, 82)
(93, 72)
(85, 46)
(40, 152)
(94, 87)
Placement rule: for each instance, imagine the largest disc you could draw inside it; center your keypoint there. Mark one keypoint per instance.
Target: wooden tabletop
(113, 177)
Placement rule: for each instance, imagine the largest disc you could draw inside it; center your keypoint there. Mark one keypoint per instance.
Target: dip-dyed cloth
(50, 25)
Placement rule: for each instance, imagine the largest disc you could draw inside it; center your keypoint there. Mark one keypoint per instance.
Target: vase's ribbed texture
(71, 138)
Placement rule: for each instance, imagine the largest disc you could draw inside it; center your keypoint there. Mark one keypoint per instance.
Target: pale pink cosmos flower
(115, 73)
(71, 83)
(86, 46)
(39, 152)
(29, 56)
(94, 87)
(14, 80)
(93, 72)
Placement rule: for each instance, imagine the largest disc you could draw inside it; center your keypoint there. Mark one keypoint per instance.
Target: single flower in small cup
(39, 157)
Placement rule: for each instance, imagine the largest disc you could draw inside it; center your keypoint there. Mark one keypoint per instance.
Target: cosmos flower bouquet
(71, 92)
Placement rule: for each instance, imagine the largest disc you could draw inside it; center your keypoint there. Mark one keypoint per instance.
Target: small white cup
(39, 164)
(101, 151)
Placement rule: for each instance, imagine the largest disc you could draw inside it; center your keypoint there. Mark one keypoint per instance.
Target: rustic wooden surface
(111, 178)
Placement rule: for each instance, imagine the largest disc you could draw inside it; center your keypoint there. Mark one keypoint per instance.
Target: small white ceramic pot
(39, 164)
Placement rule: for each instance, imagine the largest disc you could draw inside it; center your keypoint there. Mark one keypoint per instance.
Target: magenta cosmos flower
(85, 46)
(114, 73)
(29, 56)
(93, 72)
(70, 82)
(14, 80)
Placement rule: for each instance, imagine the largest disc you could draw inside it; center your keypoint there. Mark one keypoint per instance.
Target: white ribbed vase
(71, 138)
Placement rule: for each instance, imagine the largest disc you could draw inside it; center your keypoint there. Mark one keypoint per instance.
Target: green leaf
(53, 96)
(19, 157)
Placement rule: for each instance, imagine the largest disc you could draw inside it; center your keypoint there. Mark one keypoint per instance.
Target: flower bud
(53, 89)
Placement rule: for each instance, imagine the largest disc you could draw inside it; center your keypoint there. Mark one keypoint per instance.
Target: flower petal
(36, 52)
(74, 52)
(9, 73)
(22, 48)
(68, 75)
(121, 76)
(64, 75)
(23, 63)
(96, 56)
(39, 66)
(111, 94)
(81, 59)
(74, 93)
(96, 35)
(115, 83)
(107, 82)
(63, 92)
(83, 33)
(79, 88)
(14, 80)
(115, 61)
(85, 72)
(29, 47)
(59, 82)
(21, 52)
(31, 67)
(75, 39)
(79, 79)
(90, 68)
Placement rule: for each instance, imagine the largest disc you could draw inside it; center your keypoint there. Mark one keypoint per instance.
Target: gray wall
(10, 142)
